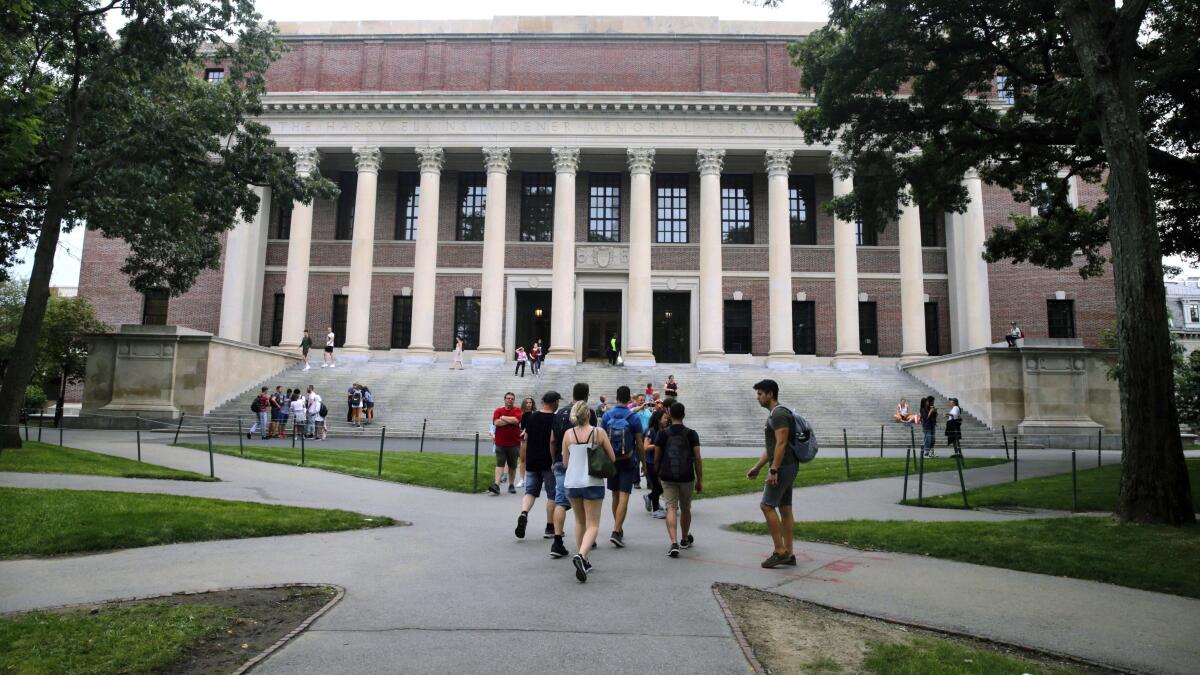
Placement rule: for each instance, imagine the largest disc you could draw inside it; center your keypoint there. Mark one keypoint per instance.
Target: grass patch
(927, 656)
(51, 522)
(35, 457)
(1149, 557)
(723, 476)
(1098, 490)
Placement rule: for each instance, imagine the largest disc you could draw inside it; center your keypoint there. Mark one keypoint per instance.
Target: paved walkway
(456, 592)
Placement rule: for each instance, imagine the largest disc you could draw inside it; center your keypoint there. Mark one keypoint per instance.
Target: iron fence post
(921, 478)
(1016, 458)
(382, 434)
(241, 444)
(301, 446)
(958, 462)
(1099, 446)
(907, 452)
(1074, 485)
(211, 472)
(880, 441)
(423, 423)
(476, 480)
(1005, 432)
(178, 428)
(846, 452)
(138, 421)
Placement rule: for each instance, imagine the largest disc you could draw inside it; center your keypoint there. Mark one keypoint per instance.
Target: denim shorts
(560, 486)
(781, 493)
(536, 480)
(626, 476)
(594, 492)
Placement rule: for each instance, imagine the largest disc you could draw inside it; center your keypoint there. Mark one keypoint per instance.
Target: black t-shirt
(660, 438)
(563, 423)
(537, 426)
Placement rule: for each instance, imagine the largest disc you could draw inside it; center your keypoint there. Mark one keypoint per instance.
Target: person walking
(527, 407)
(536, 457)
(659, 420)
(613, 352)
(328, 355)
(535, 357)
(585, 491)
(368, 405)
(522, 358)
(671, 388)
(776, 501)
(929, 415)
(562, 424)
(624, 430)
(642, 408)
(507, 419)
(681, 470)
(261, 407)
(541, 355)
(305, 345)
(457, 355)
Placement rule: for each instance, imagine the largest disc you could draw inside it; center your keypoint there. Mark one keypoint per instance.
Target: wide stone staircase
(720, 404)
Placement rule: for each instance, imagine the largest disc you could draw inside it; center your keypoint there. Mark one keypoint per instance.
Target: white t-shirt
(955, 412)
(298, 409)
(314, 404)
(329, 339)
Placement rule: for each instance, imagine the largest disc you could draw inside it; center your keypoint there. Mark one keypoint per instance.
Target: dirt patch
(787, 635)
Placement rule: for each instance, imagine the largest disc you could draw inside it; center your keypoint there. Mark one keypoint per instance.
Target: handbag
(599, 464)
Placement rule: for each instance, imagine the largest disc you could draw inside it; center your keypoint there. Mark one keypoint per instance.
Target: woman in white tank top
(585, 491)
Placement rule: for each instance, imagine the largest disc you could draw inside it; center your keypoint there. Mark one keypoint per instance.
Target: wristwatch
(774, 471)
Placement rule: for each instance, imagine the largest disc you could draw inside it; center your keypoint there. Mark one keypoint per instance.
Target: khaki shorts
(678, 495)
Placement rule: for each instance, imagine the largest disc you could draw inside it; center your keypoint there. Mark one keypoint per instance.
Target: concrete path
(457, 592)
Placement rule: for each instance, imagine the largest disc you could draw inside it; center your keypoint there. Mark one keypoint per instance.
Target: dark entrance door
(532, 319)
(672, 326)
(933, 345)
(868, 329)
(601, 321)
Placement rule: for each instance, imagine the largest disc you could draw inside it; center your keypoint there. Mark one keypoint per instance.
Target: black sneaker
(511, 489)
(250, 435)
(557, 550)
(790, 560)
(673, 552)
(581, 569)
(494, 489)
(549, 532)
(521, 520)
(618, 539)
(648, 502)
(774, 561)
(686, 542)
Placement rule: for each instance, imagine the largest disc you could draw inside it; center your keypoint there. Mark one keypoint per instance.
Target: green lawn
(1150, 557)
(35, 457)
(926, 656)
(722, 476)
(143, 638)
(51, 522)
(1098, 488)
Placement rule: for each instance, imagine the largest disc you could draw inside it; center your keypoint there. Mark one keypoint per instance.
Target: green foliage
(35, 457)
(34, 397)
(930, 656)
(61, 349)
(1187, 390)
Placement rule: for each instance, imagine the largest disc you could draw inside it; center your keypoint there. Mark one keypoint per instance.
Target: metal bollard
(176, 441)
(921, 478)
(912, 442)
(907, 452)
(1016, 458)
(60, 435)
(846, 451)
(1005, 432)
(1074, 485)
(423, 423)
(958, 462)
(293, 441)
(382, 434)
(880, 441)
(294, 434)
(241, 445)
(476, 481)
(211, 473)
(138, 420)
(40, 424)
(1099, 446)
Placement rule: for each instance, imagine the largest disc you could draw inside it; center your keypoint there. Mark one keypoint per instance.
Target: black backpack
(255, 405)
(677, 463)
(324, 411)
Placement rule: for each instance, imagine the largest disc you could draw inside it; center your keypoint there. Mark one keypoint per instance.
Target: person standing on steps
(522, 358)
(313, 406)
(328, 355)
(368, 405)
(535, 355)
(507, 419)
(261, 407)
(278, 419)
(624, 430)
(305, 345)
(457, 357)
(298, 411)
(929, 415)
(356, 404)
(671, 388)
(776, 501)
(681, 470)
(613, 351)
(585, 491)
(562, 424)
(537, 458)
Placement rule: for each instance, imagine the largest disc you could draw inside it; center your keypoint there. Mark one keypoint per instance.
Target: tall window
(671, 207)
(933, 343)
(804, 326)
(401, 321)
(466, 321)
(154, 307)
(537, 206)
(214, 75)
(348, 184)
(932, 231)
(408, 194)
(735, 210)
(737, 327)
(1060, 318)
(277, 321)
(802, 211)
(1004, 90)
(340, 305)
(867, 235)
(283, 222)
(604, 207)
(472, 198)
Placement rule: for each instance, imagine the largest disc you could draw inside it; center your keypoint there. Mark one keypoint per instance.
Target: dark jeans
(1012, 341)
(520, 368)
(612, 358)
(655, 486)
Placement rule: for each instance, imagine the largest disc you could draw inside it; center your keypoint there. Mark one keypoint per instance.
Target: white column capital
(710, 161)
(641, 160)
(497, 160)
(367, 158)
(306, 159)
(971, 174)
(566, 159)
(779, 162)
(432, 158)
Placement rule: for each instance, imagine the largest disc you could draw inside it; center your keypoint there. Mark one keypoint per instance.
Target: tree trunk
(1154, 479)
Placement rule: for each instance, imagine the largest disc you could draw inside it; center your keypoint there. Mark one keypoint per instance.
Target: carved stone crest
(602, 257)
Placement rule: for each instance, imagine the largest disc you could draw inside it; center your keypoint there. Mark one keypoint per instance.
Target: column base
(849, 361)
(639, 359)
(561, 356)
(419, 356)
(782, 361)
(906, 359)
(712, 361)
(487, 357)
(354, 349)
(291, 347)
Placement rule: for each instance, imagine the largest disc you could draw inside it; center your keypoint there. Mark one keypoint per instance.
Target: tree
(120, 131)
(907, 91)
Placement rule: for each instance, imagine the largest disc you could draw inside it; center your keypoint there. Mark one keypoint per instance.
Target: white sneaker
(333, 365)
(323, 365)
(308, 367)
(520, 483)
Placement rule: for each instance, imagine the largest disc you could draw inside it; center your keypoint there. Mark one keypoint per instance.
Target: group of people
(556, 450)
(927, 417)
(305, 411)
(327, 358)
(534, 357)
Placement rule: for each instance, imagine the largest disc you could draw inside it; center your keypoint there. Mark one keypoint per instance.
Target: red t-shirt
(509, 434)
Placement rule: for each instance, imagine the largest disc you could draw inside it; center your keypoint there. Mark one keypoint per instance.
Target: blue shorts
(626, 476)
(594, 492)
(536, 480)
(560, 486)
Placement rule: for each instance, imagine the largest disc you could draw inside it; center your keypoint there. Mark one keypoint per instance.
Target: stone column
(562, 297)
(845, 281)
(420, 349)
(912, 286)
(295, 288)
(972, 267)
(491, 296)
(362, 250)
(639, 340)
(256, 264)
(781, 354)
(239, 273)
(712, 308)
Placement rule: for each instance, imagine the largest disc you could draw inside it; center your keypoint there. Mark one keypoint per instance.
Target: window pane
(214, 75)
(671, 204)
(537, 206)
(604, 207)
(932, 231)
(466, 321)
(802, 210)
(340, 305)
(804, 327)
(283, 222)
(737, 327)
(472, 199)
(1060, 315)
(408, 194)
(154, 307)
(401, 321)
(277, 321)
(735, 210)
(348, 184)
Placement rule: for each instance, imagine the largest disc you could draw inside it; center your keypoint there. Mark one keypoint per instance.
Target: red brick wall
(449, 287)
(821, 293)
(383, 288)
